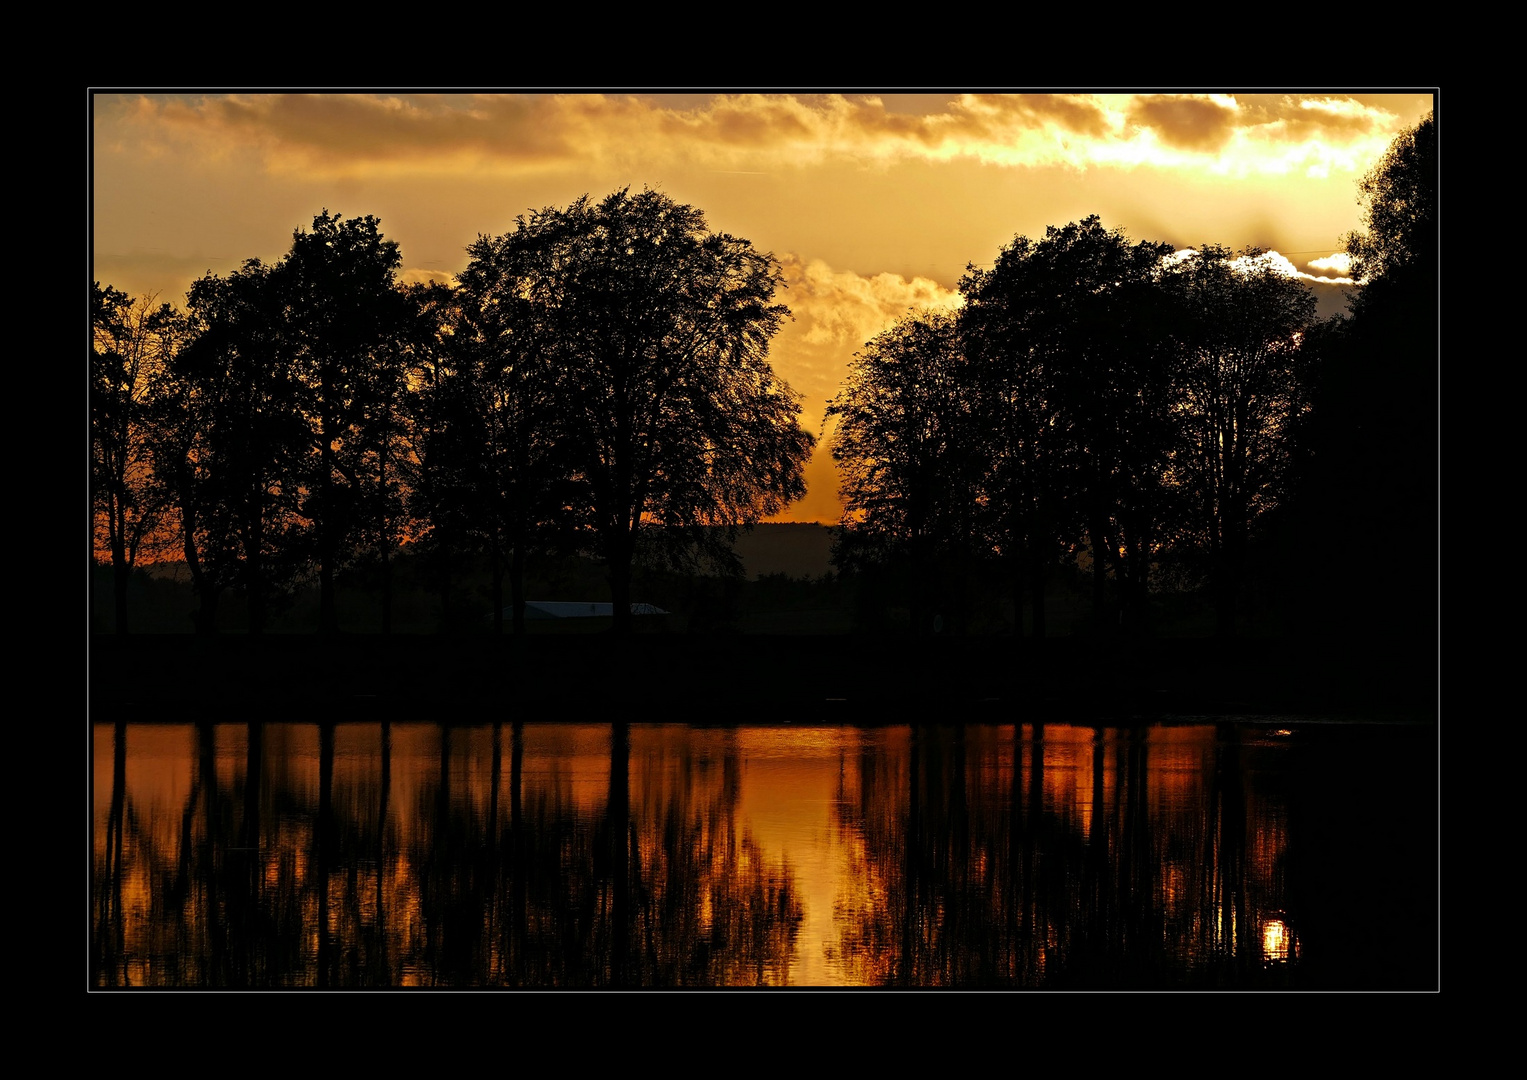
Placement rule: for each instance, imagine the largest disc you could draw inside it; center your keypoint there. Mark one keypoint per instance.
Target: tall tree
(509, 383)
(1076, 384)
(344, 320)
(240, 442)
(131, 343)
(1016, 408)
(1399, 200)
(446, 440)
(1371, 448)
(910, 458)
(658, 331)
(1243, 320)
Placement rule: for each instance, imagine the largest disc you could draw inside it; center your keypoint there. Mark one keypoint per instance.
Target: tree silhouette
(131, 343)
(1243, 321)
(390, 447)
(240, 440)
(445, 439)
(1399, 200)
(658, 333)
(1369, 446)
(1076, 389)
(909, 456)
(1025, 509)
(343, 322)
(286, 439)
(507, 392)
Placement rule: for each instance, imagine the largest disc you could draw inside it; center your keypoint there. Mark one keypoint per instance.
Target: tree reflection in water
(383, 855)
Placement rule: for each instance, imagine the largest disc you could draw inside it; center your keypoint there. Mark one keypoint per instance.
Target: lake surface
(1195, 855)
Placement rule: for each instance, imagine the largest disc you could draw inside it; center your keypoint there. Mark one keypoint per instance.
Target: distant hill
(793, 549)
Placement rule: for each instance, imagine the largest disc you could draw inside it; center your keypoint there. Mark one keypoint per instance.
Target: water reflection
(615, 855)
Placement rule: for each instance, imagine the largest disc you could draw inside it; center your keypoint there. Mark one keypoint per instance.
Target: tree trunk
(1018, 570)
(1037, 584)
(385, 542)
(622, 551)
(121, 574)
(498, 590)
(445, 592)
(386, 586)
(205, 617)
(254, 591)
(328, 618)
(1096, 537)
(517, 587)
(1227, 577)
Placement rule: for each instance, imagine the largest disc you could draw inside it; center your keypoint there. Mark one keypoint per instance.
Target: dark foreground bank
(692, 678)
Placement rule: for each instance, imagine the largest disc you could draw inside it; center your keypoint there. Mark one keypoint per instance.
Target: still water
(1212, 855)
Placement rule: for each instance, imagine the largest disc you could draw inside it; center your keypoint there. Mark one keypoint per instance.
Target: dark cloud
(1185, 123)
(1307, 116)
(348, 129)
(1075, 113)
(336, 135)
(754, 121)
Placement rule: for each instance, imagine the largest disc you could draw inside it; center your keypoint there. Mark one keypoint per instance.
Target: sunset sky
(873, 203)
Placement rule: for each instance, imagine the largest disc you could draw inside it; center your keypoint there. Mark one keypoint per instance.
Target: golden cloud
(369, 134)
(843, 309)
(1198, 124)
(835, 313)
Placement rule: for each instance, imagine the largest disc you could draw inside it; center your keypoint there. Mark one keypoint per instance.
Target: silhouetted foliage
(1370, 450)
(1399, 200)
(445, 429)
(343, 327)
(506, 390)
(1243, 320)
(1091, 388)
(909, 456)
(131, 343)
(657, 333)
(599, 383)
(1075, 376)
(289, 442)
(240, 448)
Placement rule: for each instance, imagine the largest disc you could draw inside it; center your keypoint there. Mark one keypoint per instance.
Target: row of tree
(598, 379)
(1091, 393)
(1104, 402)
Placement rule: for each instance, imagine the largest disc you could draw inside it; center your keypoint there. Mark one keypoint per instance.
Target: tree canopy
(1399, 201)
(131, 344)
(1093, 394)
(651, 334)
(1371, 448)
(241, 442)
(910, 458)
(598, 382)
(1075, 374)
(343, 326)
(289, 402)
(1242, 324)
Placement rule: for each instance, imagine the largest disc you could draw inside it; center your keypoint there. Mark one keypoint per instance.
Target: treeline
(1094, 399)
(1136, 413)
(597, 382)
